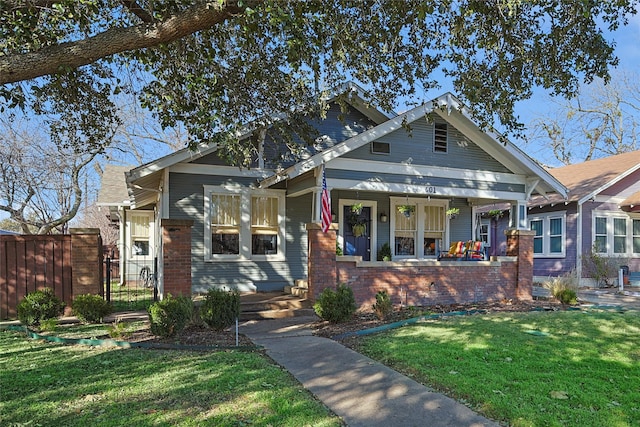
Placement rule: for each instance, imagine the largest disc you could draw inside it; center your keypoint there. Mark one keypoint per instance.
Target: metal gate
(133, 292)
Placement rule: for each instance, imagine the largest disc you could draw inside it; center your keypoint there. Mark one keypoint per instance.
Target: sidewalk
(360, 390)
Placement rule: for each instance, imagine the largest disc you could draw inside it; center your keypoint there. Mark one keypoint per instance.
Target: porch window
(225, 224)
(418, 226)
(244, 223)
(405, 231)
(139, 235)
(433, 228)
(264, 225)
(549, 238)
(485, 233)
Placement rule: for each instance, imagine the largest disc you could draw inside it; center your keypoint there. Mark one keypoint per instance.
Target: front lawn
(526, 369)
(44, 384)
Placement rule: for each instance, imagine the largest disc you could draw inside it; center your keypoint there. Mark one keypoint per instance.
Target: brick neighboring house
(257, 229)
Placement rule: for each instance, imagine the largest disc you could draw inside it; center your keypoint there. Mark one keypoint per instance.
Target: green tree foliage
(212, 66)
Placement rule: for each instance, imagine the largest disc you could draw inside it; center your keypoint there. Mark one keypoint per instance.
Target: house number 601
(431, 190)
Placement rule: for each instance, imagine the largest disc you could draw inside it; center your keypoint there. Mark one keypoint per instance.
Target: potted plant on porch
(406, 210)
(452, 212)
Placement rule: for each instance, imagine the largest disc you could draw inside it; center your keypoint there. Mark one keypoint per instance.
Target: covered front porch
(421, 282)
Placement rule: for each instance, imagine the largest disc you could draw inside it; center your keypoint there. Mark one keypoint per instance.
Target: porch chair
(475, 250)
(456, 251)
(464, 251)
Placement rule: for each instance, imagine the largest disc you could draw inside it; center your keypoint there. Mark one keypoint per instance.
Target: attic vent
(440, 138)
(380, 147)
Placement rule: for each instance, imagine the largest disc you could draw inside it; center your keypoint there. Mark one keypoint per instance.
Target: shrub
(384, 254)
(38, 306)
(601, 268)
(170, 316)
(336, 306)
(220, 308)
(567, 296)
(90, 308)
(383, 306)
(563, 288)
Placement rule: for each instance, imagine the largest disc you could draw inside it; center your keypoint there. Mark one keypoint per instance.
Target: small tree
(600, 267)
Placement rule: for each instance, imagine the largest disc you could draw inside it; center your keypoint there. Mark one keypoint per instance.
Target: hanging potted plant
(406, 210)
(495, 214)
(356, 208)
(452, 212)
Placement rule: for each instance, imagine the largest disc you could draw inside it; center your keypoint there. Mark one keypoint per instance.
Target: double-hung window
(418, 227)
(243, 223)
(549, 237)
(264, 225)
(140, 234)
(226, 220)
(615, 234)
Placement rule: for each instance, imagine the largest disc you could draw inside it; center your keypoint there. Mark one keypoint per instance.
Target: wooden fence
(32, 262)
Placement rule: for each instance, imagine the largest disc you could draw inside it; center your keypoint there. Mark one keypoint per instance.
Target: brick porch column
(86, 262)
(321, 261)
(176, 256)
(520, 244)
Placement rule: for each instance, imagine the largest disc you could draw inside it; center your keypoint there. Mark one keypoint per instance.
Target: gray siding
(423, 180)
(416, 147)
(187, 202)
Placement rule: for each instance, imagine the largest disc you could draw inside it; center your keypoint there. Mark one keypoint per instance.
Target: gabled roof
(453, 111)
(113, 187)
(143, 181)
(588, 179)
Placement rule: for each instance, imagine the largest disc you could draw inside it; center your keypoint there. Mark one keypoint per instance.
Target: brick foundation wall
(86, 261)
(430, 282)
(427, 282)
(176, 256)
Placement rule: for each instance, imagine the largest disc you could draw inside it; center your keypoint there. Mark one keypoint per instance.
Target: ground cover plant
(562, 368)
(52, 384)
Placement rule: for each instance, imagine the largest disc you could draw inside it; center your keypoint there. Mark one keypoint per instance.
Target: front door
(357, 232)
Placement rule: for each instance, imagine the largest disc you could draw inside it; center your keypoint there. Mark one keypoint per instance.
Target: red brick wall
(430, 282)
(426, 282)
(176, 256)
(520, 245)
(86, 261)
(321, 259)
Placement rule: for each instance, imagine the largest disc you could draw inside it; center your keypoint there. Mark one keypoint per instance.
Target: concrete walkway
(360, 390)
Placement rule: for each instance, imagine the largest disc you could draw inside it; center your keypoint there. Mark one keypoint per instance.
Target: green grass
(126, 298)
(52, 385)
(526, 369)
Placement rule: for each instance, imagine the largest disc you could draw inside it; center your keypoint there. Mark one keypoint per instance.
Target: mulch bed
(201, 335)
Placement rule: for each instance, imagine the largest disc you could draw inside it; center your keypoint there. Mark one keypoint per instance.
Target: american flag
(326, 204)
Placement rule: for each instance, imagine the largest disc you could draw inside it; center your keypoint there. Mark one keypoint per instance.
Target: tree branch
(50, 60)
(135, 8)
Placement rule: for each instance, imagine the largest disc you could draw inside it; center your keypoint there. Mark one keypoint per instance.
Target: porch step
(273, 305)
(301, 288)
